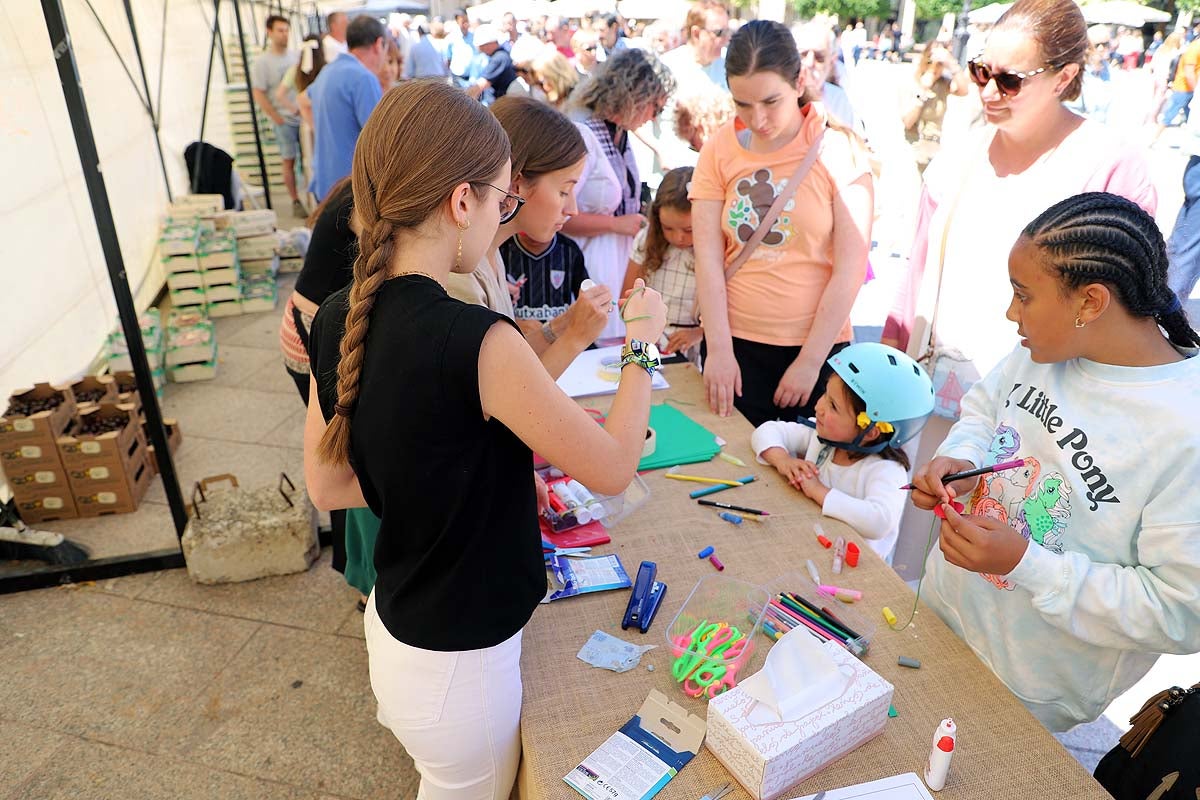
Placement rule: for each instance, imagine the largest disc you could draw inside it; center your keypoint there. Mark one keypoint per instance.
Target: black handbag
(1159, 757)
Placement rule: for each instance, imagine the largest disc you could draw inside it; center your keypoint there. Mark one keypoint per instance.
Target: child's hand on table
(981, 544)
(796, 470)
(814, 489)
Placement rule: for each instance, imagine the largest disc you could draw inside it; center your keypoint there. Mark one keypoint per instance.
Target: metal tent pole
(154, 113)
(212, 52)
(262, 162)
(89, 160)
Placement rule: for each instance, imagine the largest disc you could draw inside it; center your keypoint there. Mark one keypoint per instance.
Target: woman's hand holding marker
(929, 491)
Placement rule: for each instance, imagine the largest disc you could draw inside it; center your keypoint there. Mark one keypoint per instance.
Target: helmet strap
(857, 445)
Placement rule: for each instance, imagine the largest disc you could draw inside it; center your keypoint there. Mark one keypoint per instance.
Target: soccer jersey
(552, 277)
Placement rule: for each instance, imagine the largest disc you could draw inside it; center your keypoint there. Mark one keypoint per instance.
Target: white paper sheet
(898, 787)
(582, 378)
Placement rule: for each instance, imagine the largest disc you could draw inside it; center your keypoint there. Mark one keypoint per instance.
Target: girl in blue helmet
(851, 464)
(1070, 575)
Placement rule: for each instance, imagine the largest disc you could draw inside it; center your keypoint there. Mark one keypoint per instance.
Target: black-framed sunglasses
(510, 205)
(1008, 83)
(719, 33)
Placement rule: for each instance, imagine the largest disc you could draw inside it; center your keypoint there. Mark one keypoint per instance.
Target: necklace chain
(419, 272)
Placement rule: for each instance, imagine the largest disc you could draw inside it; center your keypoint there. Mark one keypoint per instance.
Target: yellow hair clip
(864, 422)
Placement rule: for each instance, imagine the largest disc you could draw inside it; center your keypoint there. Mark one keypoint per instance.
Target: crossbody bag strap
(928, 343)
(781, 200)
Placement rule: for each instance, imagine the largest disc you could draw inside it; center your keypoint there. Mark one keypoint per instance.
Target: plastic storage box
(845, 617)
(715, 599)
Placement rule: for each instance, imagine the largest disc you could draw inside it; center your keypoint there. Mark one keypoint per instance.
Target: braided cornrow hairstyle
(1098, 237)
(422, 141)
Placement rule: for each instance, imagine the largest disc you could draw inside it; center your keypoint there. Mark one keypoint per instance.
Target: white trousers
(457, 714)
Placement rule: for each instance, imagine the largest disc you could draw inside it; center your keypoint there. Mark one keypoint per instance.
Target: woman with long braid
(1070, 584)
(432, 413)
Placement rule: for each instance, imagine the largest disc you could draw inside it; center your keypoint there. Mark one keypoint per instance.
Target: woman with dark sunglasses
(980, 191)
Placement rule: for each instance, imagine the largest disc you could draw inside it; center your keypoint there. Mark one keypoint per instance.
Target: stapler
(646, 598)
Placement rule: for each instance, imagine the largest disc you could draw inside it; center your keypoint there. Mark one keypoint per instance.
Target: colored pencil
(714, 489)
(818, 618)
(675, 476)
(812, 609)
(972, 473)
(813, 620)
(845, 627)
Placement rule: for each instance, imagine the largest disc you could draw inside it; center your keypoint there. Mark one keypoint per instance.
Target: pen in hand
(971, 473)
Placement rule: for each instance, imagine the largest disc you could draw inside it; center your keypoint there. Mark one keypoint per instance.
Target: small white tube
(578, 509)
(588, 499)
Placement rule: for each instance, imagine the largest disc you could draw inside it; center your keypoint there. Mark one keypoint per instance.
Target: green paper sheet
(681, 440)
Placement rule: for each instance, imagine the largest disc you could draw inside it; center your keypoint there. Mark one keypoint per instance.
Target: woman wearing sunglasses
(980, 191)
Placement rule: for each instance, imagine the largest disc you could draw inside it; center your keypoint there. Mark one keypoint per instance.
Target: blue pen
(714, 489)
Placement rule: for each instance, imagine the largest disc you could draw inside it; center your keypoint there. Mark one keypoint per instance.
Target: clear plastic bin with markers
(796, 602)
(572, 504)
(714, 636)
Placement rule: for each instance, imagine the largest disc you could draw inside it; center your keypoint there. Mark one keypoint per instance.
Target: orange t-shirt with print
(773, 298)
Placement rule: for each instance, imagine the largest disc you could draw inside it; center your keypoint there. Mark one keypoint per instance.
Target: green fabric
(362, 529)
(681, 440)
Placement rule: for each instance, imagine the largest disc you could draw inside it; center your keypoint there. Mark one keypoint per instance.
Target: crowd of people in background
(708, 188)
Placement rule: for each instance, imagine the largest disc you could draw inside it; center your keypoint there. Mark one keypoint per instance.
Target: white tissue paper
(799, 675)
(810, 705)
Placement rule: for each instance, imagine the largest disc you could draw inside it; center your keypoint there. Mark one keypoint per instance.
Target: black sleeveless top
(459, 552)
(329, 262)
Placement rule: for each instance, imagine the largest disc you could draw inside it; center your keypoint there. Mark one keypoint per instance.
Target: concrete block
(243, 534)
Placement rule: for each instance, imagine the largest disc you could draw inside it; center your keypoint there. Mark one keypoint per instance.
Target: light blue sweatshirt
(1111, 577)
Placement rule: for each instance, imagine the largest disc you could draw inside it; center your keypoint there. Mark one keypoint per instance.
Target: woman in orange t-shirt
(770, 330)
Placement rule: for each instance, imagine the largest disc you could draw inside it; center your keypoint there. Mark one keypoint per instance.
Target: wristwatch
(644, 354)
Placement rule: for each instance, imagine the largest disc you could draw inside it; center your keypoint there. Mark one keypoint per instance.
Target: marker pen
(839, 554)
(836, 591)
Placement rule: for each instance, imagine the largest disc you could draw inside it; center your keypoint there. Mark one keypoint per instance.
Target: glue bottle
(586, 498)
(564, 493)
(938, 767)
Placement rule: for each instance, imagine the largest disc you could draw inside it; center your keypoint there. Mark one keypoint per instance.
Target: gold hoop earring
(1079, 323)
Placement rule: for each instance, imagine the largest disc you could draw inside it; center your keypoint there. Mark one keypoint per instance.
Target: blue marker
(705, 492)
(705, 553)
(728, 517)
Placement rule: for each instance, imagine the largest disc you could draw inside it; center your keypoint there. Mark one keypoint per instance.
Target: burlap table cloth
(570, 707)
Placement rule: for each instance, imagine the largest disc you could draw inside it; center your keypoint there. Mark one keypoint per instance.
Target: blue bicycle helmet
(894, 387)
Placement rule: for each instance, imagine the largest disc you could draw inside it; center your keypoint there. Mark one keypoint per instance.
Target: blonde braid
(376, 246)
